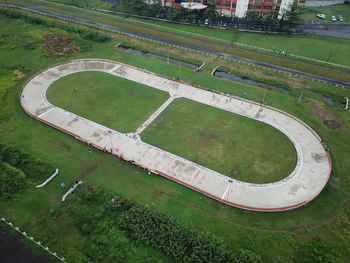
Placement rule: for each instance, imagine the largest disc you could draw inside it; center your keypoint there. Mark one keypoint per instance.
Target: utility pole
(168, 56)
(301, 95)
(76, 31)
(179, 71)
(329, 56)
(263, 99)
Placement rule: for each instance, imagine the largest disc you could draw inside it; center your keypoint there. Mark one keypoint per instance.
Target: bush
(12, 181)
(34, 169)
(111, 223)
(177, 241)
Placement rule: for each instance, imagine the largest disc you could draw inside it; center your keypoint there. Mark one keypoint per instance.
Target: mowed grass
(117, 103)
(231, 144)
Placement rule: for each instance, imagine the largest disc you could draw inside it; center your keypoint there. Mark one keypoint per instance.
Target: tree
(291, 17)
(271, 19)
(174, 14)
(252, 16)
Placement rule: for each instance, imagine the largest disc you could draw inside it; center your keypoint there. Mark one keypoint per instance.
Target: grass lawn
(324, 221)
(115, 102)
(233, 145)
(309, 13)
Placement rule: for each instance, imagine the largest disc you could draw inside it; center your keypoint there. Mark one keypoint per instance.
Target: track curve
(309, 177)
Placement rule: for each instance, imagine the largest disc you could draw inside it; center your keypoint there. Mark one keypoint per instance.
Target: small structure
(48, 179)
(346, 103)
(71, 190)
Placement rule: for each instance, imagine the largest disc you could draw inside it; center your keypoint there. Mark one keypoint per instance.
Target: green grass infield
(115, 102)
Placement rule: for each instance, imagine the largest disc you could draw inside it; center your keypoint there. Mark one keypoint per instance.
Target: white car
(334, 18)
(341, 19)
(322, 16)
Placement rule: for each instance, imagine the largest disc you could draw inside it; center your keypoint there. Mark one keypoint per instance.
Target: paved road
(309, 177)
(327, 29)
(182, 45)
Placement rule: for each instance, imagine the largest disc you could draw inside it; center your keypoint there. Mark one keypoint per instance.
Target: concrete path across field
(309, 177)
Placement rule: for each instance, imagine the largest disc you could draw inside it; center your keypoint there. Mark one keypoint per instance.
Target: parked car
(322, 16)
(206, 21)
(341, 19)
(334, 18)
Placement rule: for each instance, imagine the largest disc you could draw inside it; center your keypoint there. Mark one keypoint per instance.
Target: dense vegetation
(18, 168)
(102, 215)
(84, 33)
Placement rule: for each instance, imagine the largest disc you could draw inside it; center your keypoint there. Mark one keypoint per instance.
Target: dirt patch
(327, 117)
(87, 171)
(91, 188)
(19, 74)
(207, 136)
(234, 172)
(66, 147)
(55, 44)
(319, 157)
(155, 194)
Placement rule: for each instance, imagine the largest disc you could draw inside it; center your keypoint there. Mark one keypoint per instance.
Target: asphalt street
(327, 29)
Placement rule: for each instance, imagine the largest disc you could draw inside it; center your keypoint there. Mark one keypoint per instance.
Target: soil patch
(87, 171)
(327, 117)
(66, 147)
(55, 44)
(155, 194)
(19, 74)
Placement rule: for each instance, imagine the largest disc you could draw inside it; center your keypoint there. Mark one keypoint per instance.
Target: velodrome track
(309, 177)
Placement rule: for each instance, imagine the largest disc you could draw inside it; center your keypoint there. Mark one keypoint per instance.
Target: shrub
(176, 240)
(12, 181)
(34, 169)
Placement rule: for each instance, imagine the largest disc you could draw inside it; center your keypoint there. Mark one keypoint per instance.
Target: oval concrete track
(309, 177)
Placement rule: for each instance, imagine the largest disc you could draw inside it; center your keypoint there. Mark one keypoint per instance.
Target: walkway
(309, 177)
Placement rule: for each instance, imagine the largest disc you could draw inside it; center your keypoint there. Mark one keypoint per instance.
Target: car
(341, 19)
(206, 21)
(322, 16)
(334, 18)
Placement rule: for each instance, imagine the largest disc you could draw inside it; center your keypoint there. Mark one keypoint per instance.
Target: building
(238, 8)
